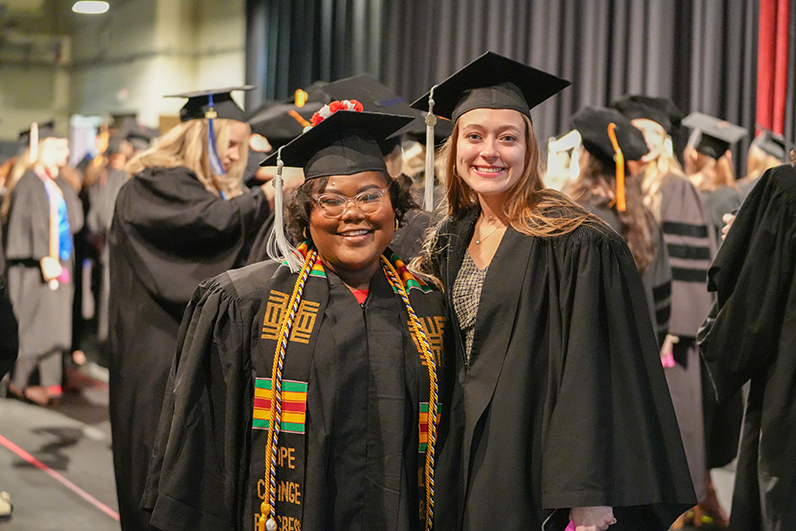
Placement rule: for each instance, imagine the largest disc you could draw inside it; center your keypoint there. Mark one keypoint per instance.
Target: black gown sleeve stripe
(685, 229)
(689, 275)
(692, 252)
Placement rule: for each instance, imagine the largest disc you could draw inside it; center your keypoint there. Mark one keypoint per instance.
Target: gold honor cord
(620, 168)
(275, 419)
(268, 523)
(433, 396)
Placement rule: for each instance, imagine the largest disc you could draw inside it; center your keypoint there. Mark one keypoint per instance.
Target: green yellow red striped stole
(294, 405)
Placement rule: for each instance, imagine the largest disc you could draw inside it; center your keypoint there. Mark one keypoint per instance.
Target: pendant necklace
(489, 221)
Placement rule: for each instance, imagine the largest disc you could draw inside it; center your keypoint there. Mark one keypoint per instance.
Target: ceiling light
(90, 7)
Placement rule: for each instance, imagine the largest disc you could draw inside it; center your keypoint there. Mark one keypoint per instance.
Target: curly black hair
(300, 205)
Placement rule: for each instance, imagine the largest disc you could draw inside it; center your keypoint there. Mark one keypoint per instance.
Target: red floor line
(58, 477)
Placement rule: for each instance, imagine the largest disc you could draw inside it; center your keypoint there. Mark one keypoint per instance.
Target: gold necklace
(489, 221)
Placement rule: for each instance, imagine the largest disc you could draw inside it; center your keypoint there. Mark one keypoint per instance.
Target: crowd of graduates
(580, 333)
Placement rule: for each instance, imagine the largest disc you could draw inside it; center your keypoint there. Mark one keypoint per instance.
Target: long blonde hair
(186, 145)
(652, 179)
(531, 208)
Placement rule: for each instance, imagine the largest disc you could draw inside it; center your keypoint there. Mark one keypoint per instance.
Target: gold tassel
(620, 169)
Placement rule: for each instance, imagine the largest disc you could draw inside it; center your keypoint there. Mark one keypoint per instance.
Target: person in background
(750, 337)
(711, 163)
(556, 356)
(357, 375)
(691, 245)
(605, 187)
(184, 216)
(104, 181)
(40, 215)
(9, 349)
(767, 150)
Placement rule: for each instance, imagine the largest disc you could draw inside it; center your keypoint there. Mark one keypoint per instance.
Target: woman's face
(654, 136)
(490, 150)
(54, 152)
(353, 241)
(238, 135)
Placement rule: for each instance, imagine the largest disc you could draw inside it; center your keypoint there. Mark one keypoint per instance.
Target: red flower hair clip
(328, 110)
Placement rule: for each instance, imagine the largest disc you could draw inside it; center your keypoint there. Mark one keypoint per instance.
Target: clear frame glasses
(333, 205)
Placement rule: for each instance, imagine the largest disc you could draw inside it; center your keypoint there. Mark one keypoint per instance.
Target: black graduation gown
(44, 315)
(753, 338)
(361, 453)
(564, 402)
(657, 277)
(9, 331)
(168, 234)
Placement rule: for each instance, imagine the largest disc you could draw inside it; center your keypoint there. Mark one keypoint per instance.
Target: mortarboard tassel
(431, 120)
(215, 161)
(620, 169)
(279, 248)
(33, 153)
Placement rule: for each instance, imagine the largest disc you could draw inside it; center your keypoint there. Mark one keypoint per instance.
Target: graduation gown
(9, 331)
(719, 202)
(563, 403)
(657, 277)
(44, 314)
(168, 234)
(752, 337)
(360, 453)
(691, 245)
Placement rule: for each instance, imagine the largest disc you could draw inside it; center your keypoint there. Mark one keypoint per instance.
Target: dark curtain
(700, 53)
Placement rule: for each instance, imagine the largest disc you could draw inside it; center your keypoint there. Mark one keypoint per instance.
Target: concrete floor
(72, 440)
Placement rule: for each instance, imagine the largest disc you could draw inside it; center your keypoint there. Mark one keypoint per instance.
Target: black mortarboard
(772, 144)
(280, 121)
(46, 130)
(660, 110)
(592, 124)
(492, 82)
(198, 106)
(416, 129)
(715, 135)
(343, 144)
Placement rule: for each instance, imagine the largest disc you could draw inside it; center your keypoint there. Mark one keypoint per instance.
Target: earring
(304, 232)
(396, 223)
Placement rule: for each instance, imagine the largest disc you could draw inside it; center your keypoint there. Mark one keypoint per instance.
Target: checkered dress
(466, 296)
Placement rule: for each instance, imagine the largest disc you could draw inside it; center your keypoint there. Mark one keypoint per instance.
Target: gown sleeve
(754, 277)
(611, 407)
(197, 472)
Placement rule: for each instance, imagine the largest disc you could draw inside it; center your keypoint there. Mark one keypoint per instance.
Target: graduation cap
(209, 104)
(280, 121)
(660, 110)
(30, 138)
(772, 144)
(491, 82)
(40, 131)
(612, 138)
(343, 142)
(715, 135)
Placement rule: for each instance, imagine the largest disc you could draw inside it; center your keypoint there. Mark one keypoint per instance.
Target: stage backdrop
(703, 54)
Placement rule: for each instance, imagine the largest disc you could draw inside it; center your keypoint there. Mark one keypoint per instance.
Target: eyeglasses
(333, 205)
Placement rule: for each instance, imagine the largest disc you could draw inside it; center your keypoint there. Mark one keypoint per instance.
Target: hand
(50, 268)
(290, 181)
(728, 220)
(592, 518)
(667, 350)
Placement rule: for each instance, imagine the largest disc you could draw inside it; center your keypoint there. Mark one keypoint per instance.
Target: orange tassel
(620, 169)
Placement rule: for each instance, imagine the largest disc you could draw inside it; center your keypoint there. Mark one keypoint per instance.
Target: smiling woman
(329, 372)
(558, 390)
